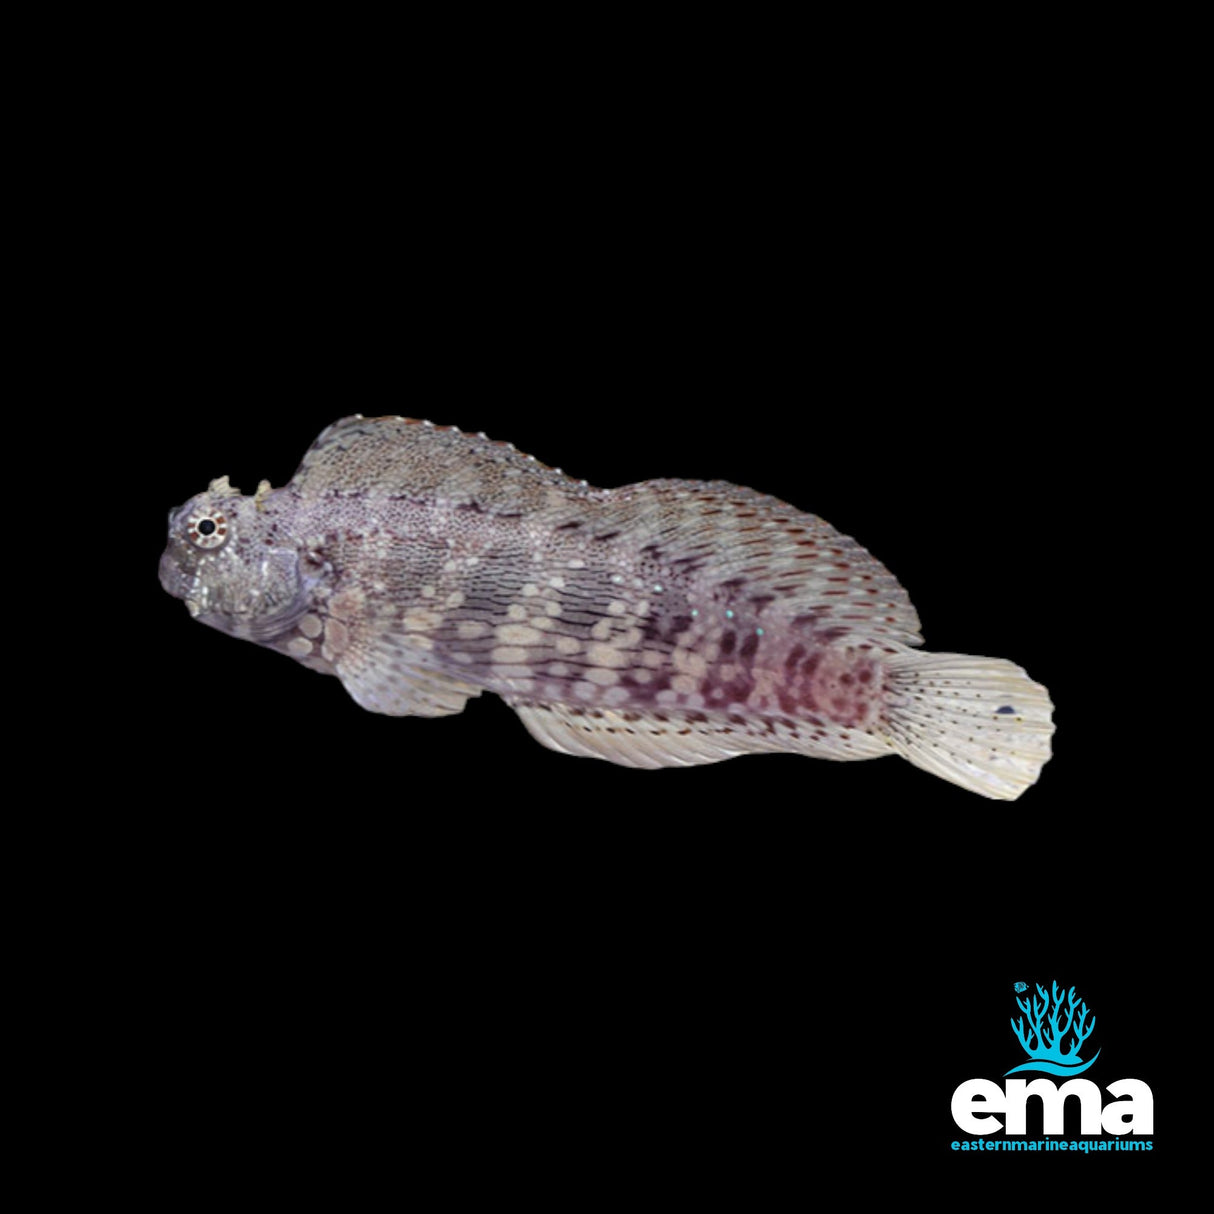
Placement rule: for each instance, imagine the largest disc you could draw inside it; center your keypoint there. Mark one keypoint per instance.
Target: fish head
(234, 563)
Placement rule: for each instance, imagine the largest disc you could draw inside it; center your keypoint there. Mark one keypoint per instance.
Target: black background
(744, 952)
(407, 943)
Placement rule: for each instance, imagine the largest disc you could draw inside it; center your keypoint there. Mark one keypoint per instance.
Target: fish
(666, 623)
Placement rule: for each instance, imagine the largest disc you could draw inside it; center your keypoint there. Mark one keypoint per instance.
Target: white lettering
(977, 1102)
(1052, 1101)
(1139, 1108)
(974, 1095)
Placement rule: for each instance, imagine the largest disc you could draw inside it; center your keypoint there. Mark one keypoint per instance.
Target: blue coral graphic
(1020, 986)
(1044, 1040)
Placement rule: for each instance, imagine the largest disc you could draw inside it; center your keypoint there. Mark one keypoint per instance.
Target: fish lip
(193, 608)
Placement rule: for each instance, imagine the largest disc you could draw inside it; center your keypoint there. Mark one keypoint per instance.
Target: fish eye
(207, 530)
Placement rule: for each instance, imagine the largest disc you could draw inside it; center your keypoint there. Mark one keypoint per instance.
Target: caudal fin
(978, 722)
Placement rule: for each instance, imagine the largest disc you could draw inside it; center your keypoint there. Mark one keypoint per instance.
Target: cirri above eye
(208, 530)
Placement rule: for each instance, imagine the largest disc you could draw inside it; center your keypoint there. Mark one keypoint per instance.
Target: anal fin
(631, 739)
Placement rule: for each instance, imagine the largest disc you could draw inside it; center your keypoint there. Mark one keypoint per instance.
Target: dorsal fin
(763, 551)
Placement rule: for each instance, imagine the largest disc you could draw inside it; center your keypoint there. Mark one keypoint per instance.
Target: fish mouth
(170, 577)
(176, 584)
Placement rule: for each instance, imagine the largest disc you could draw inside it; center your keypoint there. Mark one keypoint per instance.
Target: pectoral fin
(385, 666)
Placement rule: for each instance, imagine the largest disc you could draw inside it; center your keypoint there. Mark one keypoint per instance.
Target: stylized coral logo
(1045, 1038)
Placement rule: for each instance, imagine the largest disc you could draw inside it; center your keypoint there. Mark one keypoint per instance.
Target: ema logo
(1045, 1041)
(1057, 1025)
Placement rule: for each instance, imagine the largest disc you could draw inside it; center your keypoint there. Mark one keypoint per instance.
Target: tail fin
(978, 722)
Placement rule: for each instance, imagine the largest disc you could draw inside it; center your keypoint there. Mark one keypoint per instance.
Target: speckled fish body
(665, 623)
